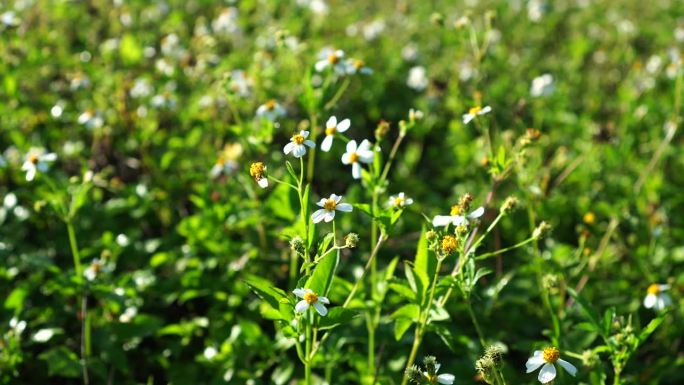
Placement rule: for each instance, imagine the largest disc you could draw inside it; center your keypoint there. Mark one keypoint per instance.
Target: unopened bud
(382, 130)
(297, 244)
(510, 204)
(541, 231)
(351, 240)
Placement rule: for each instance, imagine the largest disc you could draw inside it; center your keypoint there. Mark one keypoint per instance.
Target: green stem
(313, 118)
(417, 339)
(74, 250)
(501, 251)
(340, 91)
(480, 335)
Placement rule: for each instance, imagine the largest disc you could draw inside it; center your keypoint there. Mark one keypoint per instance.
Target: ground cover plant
(327, 192)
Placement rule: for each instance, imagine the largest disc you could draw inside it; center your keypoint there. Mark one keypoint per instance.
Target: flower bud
(431, 235)
(351, 240)
(449, 244)
(297, 244)
(510, 204)
(541, 231)
(382, 130)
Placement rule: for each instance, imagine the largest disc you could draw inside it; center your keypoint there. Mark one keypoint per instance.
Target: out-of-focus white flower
(355, 66)
(653, 64)
(329, 57)
(354, 155)
(37, 160)
(457, 218)
(226, 23)
(331, 128)
(164, 67)
(226, 162)
(240, 83)
(399, 201)
(309, 298)
(141, 88)
(257, 170)
(271, 110)
(372, 30)
(10, 200)
(163, 100)
(542, 86)
(417, 78)
(90, 119)
(536, 10)
(409, 52)
(547, 358)
(298, 143)
(656, 297)
(475, 112)
(79, 81)
(43, 335)
(57, 110)
(17, 325)
(329, 206)
(210, 352)
(9, 19)
(96, 267)
(318, 7)
(128, 314)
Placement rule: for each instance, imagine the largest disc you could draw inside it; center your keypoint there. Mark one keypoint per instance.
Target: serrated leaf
(265, 290)
(410, 311)
(401, 326)
(337, 316)
(323, 274)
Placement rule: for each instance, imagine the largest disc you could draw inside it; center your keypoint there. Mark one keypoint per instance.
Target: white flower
(257, 170)
(90, 119)
(399, 201)
(210, 352)
(329, 206)
(542, 86)
(656, 297)
(456, 218)
(309, 298)
(355, 154)
(271, 110)
(332, 127)
(43, 335)
(37, 160)
(475, 112)
(445, 378)
(548, 357)
(358, 66)
(227, 22)
(240, 83)
(141, 88)
(298, 144)
(9, 19)
(226, 162)
(128, 314)
(329, 57)
(417, 78)
(96, 267)
(17, 325)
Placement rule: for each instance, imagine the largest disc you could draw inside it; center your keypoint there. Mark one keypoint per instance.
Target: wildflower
(656, 297)
(226, 162)
(240, 83)
(37, 160)
(297, 244)
(351, 240)
(96, 267)
(331, 128)
(449, 244)
(541, 230)
(331, 58)
(475, 112)
(17, 325)
(257, 171)
(547, 358)
(309, 298)
(271, 110)
(509, 205)
(589, 218)
(417, 78)
(382, 129)
(415, 115)
(90, 119)
(456, 217)
(399, 201)
(329, 206)
(355, 66)
(430, 374)
(542, 86)
(355, 154)
(298, 144)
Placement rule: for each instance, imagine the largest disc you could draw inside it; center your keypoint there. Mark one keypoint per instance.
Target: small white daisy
(331, 128)
(354, 155)
(226, 162)
(417, 78)
(240, 83)
(90, 119)
(542, 86)
(96, 267)
(258, 170)
(355, 66)
(331, 58)
(37, 160)
(329, 206)
(309, 298)
(457, 218)
(475, 112)
(399, 201)
(434, 378)
(271, 110)
(298, 144)
(547, 358)
(656, 297)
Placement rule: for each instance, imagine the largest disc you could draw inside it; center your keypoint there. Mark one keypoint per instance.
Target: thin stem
(85, 337)
(480, 335)
(313, 118)
(392, 155)
(501, 251)
(340, 91)
(281, 182)
(417, 339)
(74, 250)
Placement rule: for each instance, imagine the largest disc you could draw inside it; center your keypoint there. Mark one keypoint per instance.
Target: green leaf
(401, 326)
(650, 328)
(265, 290)
(403, 290)
(130, 50)
(323, 274)
(324, 243)
(445, 335)
(410, 311)
(282, 373)
(62, 362)
(425, 261)
(588, 311)
(336, 316)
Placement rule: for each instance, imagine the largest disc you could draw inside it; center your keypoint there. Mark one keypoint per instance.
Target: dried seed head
(351, 240)
(542, 230)
(510, 204)
(297, 244)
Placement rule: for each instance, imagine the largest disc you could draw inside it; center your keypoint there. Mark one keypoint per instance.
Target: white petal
(365, 156)
(447, 379)
(327, 143)
(299, 150)
(650, 301)
(299, 292)
(320, 308)
(477, 213)
(318, 215)
(324, 300)
(467, 118)
(329, 215)
(437, 366)
(364, 146)
(332, 122)
(321, 203)
(26, 166)
(351, 146)
(289, 147)
(485, 110)
(547, 373)
(663, 287)
(304, 133)
(344, 125)
(263, 182)
(356, 170)
(533, 363)
(346, 207)
(301, 306)
(345, 158)
(570, 368)
(441, 220)
(457, 220)
(667, 301)
(310, 143)
(408, 201)
(320, 65)
(50, 157)
(30, 174)
(261, 110)
(339, 53)
(336, 198)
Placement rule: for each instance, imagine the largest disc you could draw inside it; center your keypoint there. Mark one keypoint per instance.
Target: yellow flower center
(298, 139)
(271, 105)
(256, 170)
(353, 158)
(456, 210)
(653, 289)
(399, 201)
(431, 378)
(551, 354)
(310, 297)
(333, 58)
(330, 204)
(449, 244)
(331, 130)
(358, 64)
(33, 158)
(96, 267)
(589, 218)
(475, 110)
